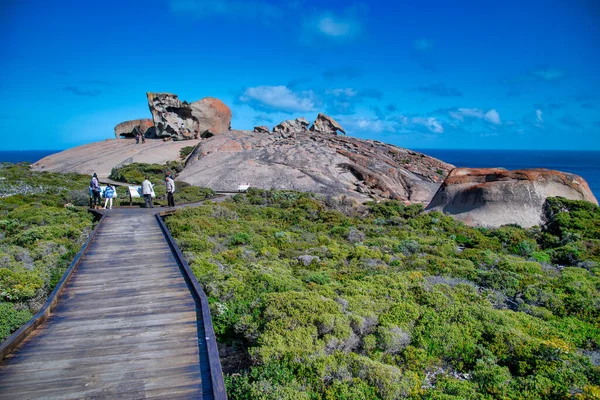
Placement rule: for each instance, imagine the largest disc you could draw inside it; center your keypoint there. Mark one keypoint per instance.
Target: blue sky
(440, 74)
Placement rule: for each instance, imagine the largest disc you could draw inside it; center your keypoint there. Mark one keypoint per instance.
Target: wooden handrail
(216, 373)
(17, 337)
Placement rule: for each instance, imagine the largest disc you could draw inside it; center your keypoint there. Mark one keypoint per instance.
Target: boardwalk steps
(128, 320)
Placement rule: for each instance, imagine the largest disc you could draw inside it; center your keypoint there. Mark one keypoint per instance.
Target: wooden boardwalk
(127, 325)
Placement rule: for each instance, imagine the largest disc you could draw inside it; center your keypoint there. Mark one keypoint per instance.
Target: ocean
(583, 163)
(14, 156)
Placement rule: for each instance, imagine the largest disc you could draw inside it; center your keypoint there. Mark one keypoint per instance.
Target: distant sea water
(15, 156)
(583, 163)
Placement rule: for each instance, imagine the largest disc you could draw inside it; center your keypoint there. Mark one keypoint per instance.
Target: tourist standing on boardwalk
(109, 193)
(147, 192)
(95, 186)
(170, 190)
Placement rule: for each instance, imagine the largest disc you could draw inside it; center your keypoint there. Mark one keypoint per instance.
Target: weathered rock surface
(315, 162)
(128, 128)
(291, 127)
(261, 129)
(101, 157)
(182, 120)
(326, 124)
(494, 196)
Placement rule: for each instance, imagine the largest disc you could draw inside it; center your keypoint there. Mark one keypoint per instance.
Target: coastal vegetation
(39, 237)
(322, 299)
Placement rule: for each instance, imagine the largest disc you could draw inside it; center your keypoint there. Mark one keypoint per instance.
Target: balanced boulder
(326, 124)
(291, 127)
(494, 196)
(131, 128)
(182, 120)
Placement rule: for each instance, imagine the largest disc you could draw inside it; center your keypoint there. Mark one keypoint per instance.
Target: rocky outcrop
(101, 157)
(261, 129)
(494, 197)
(315, 162)
(291, 127)
(130, 128)
(326, 124)
(181, 120)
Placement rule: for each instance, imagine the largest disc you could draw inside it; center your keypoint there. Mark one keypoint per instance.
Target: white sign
(243, 188)
(136, 191)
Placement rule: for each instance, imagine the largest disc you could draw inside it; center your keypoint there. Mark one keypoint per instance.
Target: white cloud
(279, 98)
(538, 116)
(339, 27)
(423, 44)
(335, 27)
(429, 123)
(493, 117)
(364, 124)
(490, 116)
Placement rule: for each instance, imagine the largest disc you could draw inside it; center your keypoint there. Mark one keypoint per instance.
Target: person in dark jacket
(95, 187)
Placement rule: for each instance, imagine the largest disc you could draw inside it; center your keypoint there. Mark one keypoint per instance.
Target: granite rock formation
(127, 129)
(101, 157)
(261, 129)
(326, 124)
(493, 196)
(315, 162)
(291, 127)
(182, 120)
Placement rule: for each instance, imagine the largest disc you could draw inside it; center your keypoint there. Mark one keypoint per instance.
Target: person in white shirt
(147, 192)
(170, 190)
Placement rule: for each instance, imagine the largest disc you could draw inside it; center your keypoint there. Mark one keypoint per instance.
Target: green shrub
(11, 319)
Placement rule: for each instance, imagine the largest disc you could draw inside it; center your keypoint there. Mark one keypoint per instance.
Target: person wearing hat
(95, 188)
(170, 190)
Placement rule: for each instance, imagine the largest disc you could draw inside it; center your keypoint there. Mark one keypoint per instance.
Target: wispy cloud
(538, 117)
(83, 92)
(338, 27)
(423, 44)
(461, 114)
(439, 89)
(367, 124)
(430, 124)
(279, 98)
(346, 72)
(226, 8)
